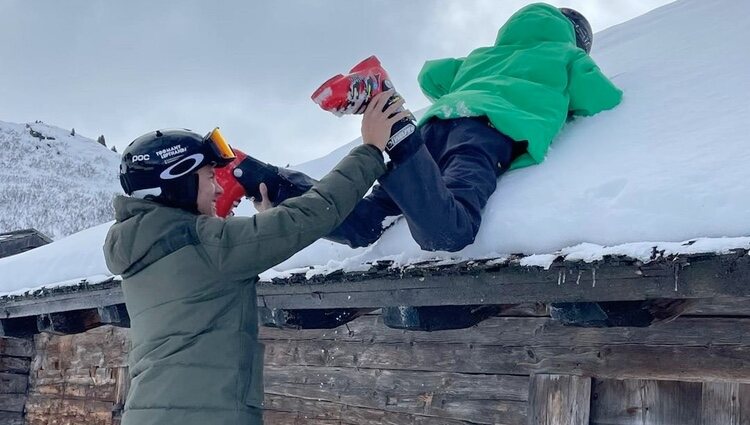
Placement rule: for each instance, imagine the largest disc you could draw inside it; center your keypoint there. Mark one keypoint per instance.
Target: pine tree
(114, 149)
(102, 141)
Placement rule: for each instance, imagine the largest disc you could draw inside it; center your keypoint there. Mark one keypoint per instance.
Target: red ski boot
(349, 94)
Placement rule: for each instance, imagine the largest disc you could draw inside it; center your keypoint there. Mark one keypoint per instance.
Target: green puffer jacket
(189, 286)
(525, 84)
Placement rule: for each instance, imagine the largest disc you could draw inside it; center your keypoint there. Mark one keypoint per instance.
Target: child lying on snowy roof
(497, 109)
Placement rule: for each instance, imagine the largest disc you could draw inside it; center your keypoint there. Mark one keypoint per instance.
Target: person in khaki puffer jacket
(189, 277)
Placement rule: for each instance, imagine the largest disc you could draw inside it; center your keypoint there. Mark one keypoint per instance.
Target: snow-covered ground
(667, 168)
(56, 183)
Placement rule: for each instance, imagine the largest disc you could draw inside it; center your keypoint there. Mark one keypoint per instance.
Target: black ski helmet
(584, 35)
(161, 165)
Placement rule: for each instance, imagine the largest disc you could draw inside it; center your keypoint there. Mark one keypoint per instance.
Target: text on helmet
(171, 151)
(138, 158)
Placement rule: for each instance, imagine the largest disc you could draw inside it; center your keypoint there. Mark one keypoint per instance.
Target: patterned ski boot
(350, 94)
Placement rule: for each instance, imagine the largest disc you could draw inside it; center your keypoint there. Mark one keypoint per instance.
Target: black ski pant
(440, 189)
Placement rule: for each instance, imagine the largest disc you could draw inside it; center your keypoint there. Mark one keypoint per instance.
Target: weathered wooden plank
(43, 410)
(529, 331)
(18, 347)
(723, 363)
(721, 307)
(11, 418)
(12, 402)
(109, 294)
(524, 310)
(720, 403)
(317, 412)
(646, 402)
(15, 365)
(104, 347)
(475, 398)
(19, 241)
(61, 388)
(506, 310)
(744, 404)
(559, 400)
(293, 418)
(687, 277)
(121, 391)
(76, 379)
(12, 383)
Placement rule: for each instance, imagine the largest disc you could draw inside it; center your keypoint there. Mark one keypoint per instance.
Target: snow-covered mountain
(53, 181)
(669, 165)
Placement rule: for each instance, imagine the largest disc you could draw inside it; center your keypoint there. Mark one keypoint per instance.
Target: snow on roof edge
(585, 252)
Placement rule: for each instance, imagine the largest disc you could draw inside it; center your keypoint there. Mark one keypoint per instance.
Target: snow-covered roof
(18, 241)
(666, 169)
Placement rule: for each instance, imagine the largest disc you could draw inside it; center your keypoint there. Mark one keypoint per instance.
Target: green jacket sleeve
(436, 76)
(242, 247)
(590, 90)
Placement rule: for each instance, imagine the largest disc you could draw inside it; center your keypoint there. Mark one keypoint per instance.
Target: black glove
(250, 173)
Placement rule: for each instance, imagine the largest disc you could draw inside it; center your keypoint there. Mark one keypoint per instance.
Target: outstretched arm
(590, 90)
(246, 246)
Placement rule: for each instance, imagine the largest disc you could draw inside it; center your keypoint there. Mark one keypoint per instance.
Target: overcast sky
(122, 68)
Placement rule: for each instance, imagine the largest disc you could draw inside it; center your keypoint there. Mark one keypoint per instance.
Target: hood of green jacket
(536, 23)
(527, 84)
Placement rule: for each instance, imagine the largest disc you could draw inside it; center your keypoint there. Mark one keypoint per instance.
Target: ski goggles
(222, 154)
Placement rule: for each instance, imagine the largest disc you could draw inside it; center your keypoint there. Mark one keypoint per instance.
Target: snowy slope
(667, 166)
(54, 182)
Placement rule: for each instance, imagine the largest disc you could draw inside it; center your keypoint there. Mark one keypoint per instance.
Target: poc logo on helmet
(138, 158)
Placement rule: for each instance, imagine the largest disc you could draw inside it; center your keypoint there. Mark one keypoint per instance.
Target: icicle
(593, 276)
(578, 279)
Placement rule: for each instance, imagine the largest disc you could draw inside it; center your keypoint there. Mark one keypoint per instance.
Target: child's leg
(361, 228)
(442, 188)
(363, 225)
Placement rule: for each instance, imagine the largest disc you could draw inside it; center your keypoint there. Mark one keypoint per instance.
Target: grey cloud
(123, 68)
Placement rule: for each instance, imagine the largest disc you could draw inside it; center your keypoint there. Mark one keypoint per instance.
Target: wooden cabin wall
(78, 379)
(646, 402)
(518, 369)
(15, 359)
(514, 370)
